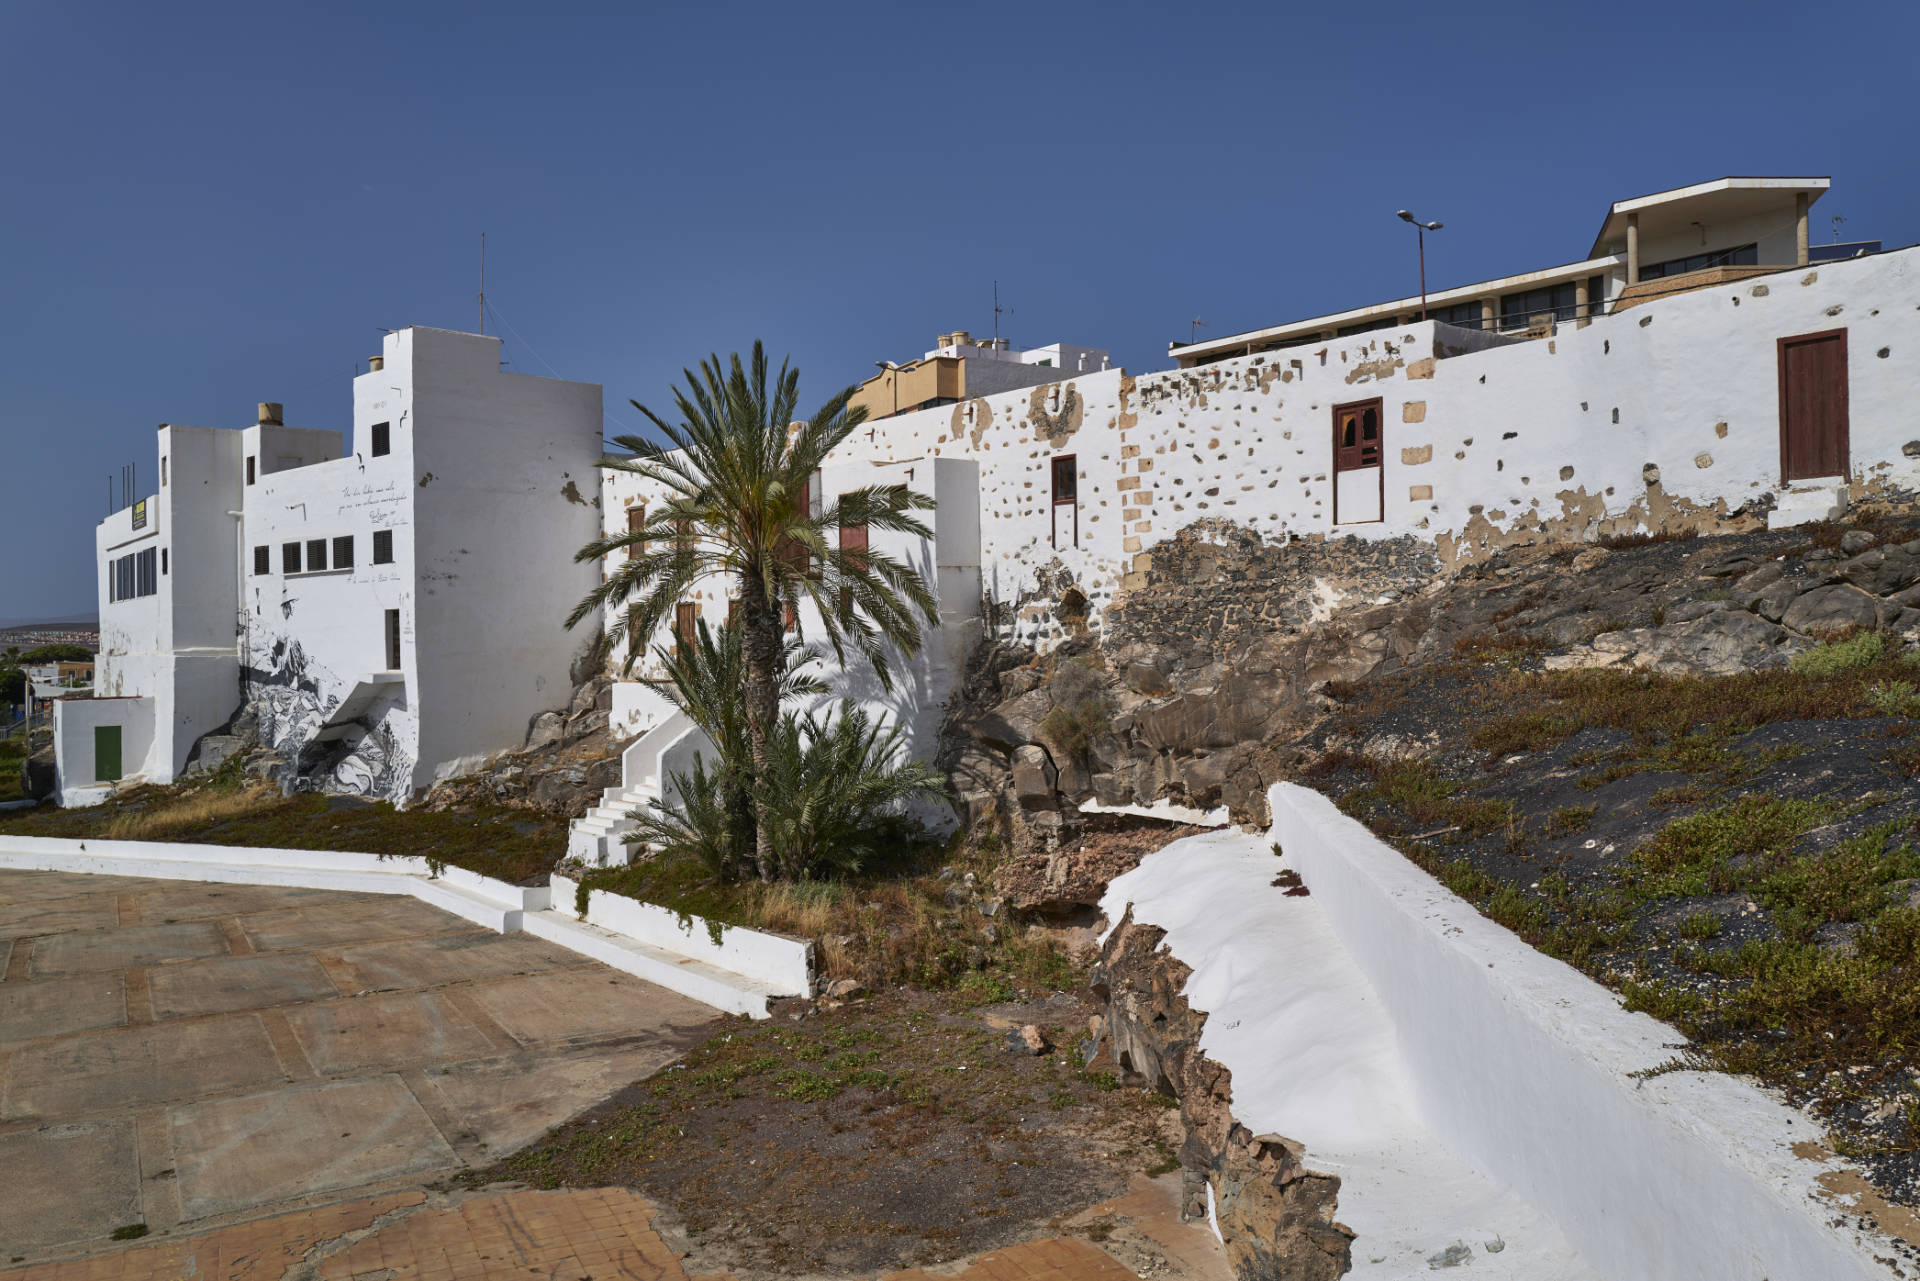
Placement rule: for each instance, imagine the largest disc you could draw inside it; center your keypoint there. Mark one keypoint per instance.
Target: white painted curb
(1524, 1068)
(705, 972)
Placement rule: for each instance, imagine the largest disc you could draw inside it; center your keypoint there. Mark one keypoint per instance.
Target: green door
(106, 753)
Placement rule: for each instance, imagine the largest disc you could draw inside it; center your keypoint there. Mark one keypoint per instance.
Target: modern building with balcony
(1649, 246)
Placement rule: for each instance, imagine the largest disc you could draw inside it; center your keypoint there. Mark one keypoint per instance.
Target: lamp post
(1424, 228)
(893, 369)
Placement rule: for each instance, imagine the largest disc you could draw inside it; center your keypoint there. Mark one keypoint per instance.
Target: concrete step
(465, 901)
(709, 984)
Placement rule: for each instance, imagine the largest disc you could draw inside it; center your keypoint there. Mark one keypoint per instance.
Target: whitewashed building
(386, 601)
(1734, 395)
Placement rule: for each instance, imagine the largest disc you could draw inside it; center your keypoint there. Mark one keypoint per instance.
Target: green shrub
(1891, 698)
(1835, 656)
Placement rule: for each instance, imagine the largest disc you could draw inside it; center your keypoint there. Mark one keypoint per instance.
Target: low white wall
(738, 974)
(1523, 1067)
(783, 963)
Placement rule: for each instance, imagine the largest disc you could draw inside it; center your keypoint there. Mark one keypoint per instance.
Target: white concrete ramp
(1314, 1057)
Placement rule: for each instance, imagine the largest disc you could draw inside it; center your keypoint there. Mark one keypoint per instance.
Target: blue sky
(205, 206)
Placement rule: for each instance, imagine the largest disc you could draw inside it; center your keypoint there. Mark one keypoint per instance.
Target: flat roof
(1435, 298)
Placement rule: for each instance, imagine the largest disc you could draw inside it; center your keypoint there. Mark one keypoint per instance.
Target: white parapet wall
(784, 964)
(738, 974)
(1534, 1074)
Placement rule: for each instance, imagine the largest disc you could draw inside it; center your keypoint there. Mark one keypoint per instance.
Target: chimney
(270, 414)
(961, 338)
(376, 363)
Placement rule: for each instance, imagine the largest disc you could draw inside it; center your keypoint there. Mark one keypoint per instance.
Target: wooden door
(1359, 481)
(1813, 405)
(106, 753)
(853, 543)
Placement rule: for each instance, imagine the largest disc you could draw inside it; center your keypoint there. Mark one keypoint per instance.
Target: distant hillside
(70, 620)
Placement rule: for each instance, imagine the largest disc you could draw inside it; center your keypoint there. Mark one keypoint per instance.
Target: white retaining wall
(1524, 1067)
(784, 963)
(738, 974)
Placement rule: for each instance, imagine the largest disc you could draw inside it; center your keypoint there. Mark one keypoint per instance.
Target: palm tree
(736, 470)
(704, 676)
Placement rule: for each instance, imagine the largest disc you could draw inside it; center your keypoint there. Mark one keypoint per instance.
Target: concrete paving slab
(363, 920)
(238, 1153)
(56, 1007)
(226, 984)
(67, 1183)
(596, 1003)
(137, 1066)
(57, 915)
(392, 1030)
(127, 947)
(505, 1104)
(21, 885)
(446, 958)
(196, 900)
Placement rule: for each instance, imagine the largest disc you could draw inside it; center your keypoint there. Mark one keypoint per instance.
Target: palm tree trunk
(760, 646)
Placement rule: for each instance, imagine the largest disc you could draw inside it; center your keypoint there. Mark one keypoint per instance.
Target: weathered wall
(1663, 416)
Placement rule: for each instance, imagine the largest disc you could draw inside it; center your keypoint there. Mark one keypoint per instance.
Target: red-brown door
(853, 542)
(1813, 405)
(1359, 484)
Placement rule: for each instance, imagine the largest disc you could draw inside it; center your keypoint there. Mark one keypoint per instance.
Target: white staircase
(597, 838)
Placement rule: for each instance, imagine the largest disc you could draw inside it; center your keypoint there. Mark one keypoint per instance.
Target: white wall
(949, 563)
(75, 719)
(1528, 1070)
(488, 490)
(506, 490)
(1511, 442)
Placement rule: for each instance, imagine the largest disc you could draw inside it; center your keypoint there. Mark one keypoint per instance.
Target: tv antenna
(998, 311)
(1193, 334)
(483, 282)
(1837, 220)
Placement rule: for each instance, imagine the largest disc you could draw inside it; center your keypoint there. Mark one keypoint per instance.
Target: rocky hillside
(1686, 766)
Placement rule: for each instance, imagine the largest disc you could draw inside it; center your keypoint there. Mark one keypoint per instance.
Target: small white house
(303, 574)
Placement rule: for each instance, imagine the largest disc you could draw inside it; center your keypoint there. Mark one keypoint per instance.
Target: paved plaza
(183, 1055)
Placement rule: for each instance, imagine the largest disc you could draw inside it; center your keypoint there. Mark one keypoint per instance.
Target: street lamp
(1424, 228)
(894, 369)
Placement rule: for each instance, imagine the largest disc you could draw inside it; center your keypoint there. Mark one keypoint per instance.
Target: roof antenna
(998, 311)
(483, 282)
(1193, 334)
(1837, 220)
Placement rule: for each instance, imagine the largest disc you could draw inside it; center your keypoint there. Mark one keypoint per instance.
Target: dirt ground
(900, 1130)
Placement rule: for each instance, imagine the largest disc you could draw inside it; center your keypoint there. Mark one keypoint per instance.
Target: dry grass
(193, 810)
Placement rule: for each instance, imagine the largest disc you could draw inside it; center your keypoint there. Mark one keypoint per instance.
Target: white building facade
(277, 570)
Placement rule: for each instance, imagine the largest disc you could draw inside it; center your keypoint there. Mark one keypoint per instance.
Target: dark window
(343, 552)
(1596, 295)
(686, 624)
(382, 442)
(290, 558)
(261, 562)
(393, 640)
(316, 555)
(1519, 310)
(1744, 256)
(147, 578)
(163, 471)
(163, 560)
(383, 547)
(1367, 326)
(249, 469)
(636, 521)
(636, 643)
(1066, 485)
(1464, 314)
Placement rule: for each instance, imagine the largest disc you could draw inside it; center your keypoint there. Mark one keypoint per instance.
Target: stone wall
(1274, 1215)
